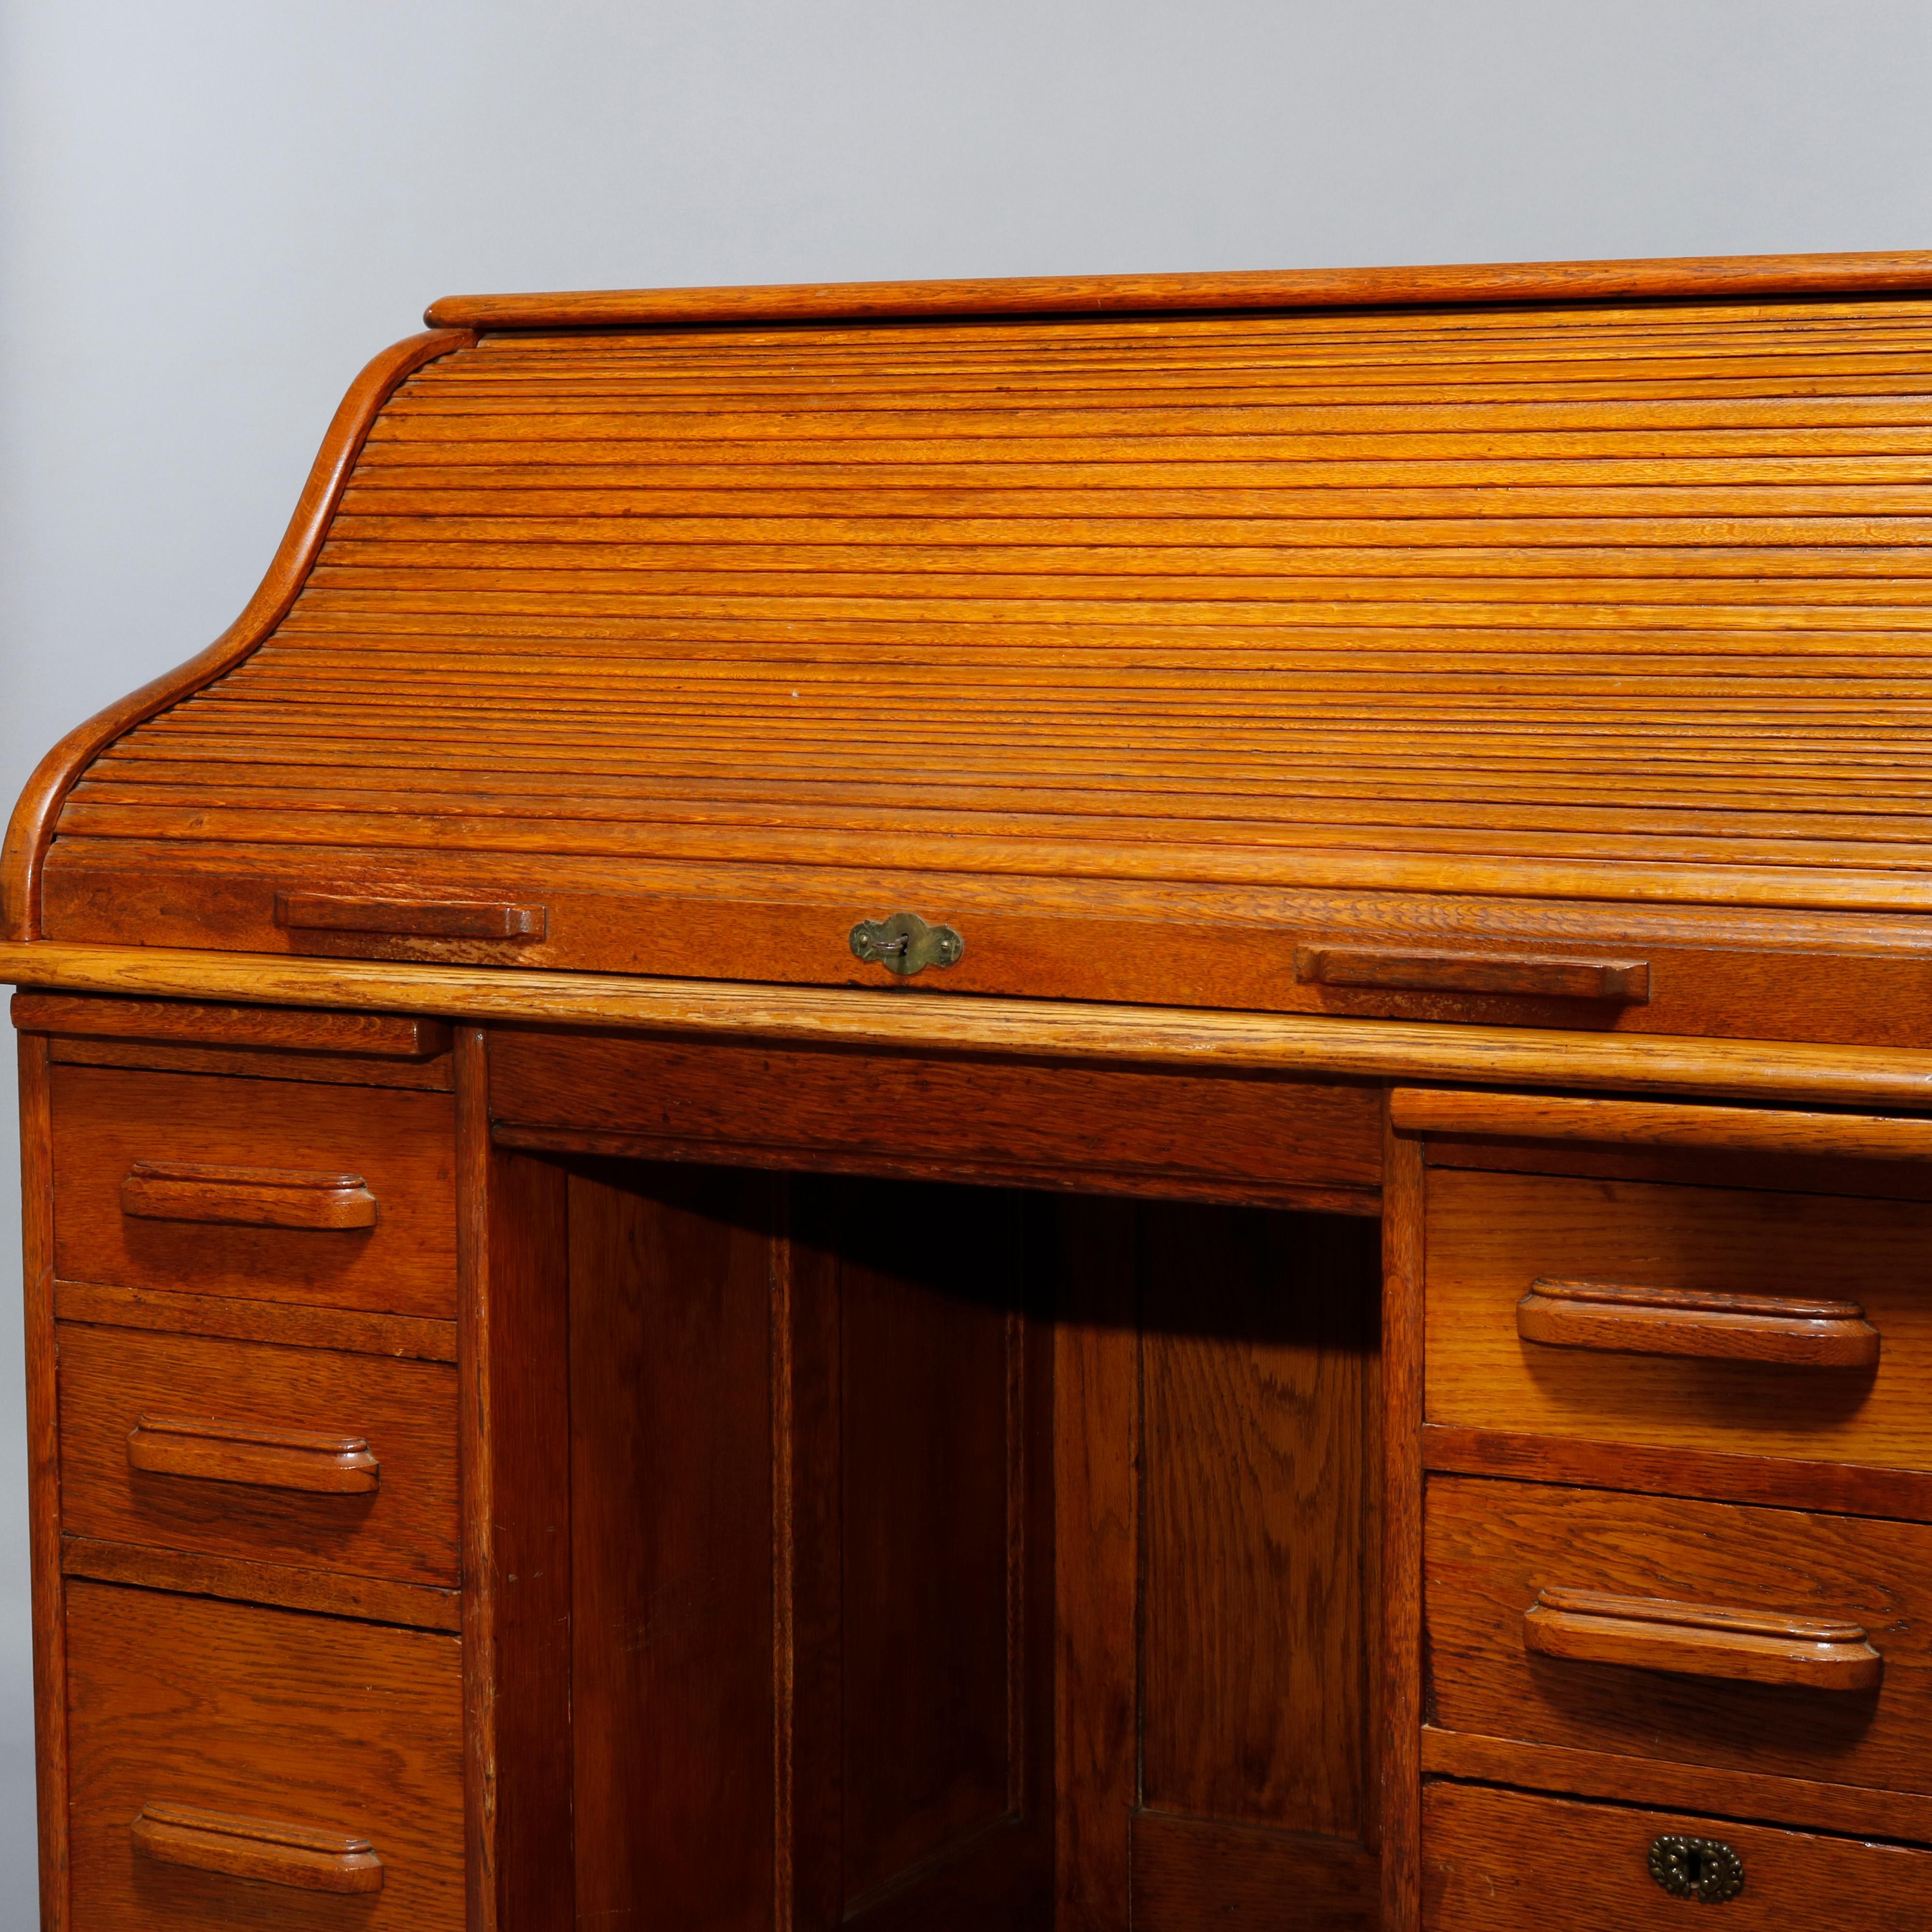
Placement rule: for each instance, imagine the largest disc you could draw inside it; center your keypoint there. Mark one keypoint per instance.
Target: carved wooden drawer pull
(274, 1459)
(411, 919)
(258, 1848)
(1622, 1318)
(1701, 1640)
(1530, 975)
(247, 1197)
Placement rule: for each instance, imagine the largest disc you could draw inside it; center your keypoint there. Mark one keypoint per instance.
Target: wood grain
(1625, 1318)
(46, 1584)
(106, 1120)
(260, 1714)
(240, 1498)
(1405, 1250)
(1189, 1872)
(671, 1683)
(1530, 975)
(31, 827)
(1563, 1118)
(514, 1437)
(429, 919)
(1488, 1870)
(1701, 1640)
(1494, 1547)
(1491, 1235)
(964, 597)
(350, 1330)
(243, 1579)
(198, 1023)
(1096, 1558)
(1321, 1048)
(1243, 1135)
(1630, 1780)
(246, 1197)
(1339, 288)
(1257, 1344)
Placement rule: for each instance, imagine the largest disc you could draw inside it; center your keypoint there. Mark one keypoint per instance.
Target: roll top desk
(1064, 1104)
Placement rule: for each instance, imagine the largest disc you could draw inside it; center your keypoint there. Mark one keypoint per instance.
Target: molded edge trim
(1714, 276)
(32, 829)
(895, 1019)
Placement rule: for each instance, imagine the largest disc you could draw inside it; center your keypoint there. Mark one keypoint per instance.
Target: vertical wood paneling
(671, 1512)
(1096, 1522)
(1400, 1659)
(1255, 1356)
(43, 1528)
(928, 1278)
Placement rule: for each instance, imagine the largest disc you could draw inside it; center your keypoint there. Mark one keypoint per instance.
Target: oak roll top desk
(1063, 1104)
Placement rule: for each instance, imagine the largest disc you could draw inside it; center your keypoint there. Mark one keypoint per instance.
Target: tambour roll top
(1229, 657)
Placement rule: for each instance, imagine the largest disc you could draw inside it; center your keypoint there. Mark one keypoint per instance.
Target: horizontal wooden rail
(273, 1458)
(419, 919)
(257, 1848)
(1529, 975)
(197, 1023)
(246, 1197)
(1706, 276)
(902, 1019)
(1631, 1319)
(1555, 1117)
(1701, 1640)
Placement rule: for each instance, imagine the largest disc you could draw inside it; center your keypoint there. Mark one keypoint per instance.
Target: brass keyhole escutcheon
(1705, 1869)
(905, 944)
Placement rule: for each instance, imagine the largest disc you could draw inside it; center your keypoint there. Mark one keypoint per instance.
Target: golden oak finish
(1337, 288)
(575, 1377)
(999, 1028)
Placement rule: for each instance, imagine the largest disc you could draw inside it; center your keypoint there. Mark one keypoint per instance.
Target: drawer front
(1490, 1236)
(1516, 1652)
(327, 1754)
(1506, 1861)
(276, 1455)
(272, 1190)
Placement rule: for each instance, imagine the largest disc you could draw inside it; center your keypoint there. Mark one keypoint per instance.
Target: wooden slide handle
(271, 1458)
(414, 919)
(1623, 1318)
(246, 1197)
(1532, 975)
(1701, 1640)
(257, 1848)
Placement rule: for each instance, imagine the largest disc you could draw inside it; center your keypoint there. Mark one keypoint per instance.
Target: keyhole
(1693, 1869)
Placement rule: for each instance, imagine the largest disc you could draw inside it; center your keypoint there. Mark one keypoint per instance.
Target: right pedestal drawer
(235, 1767)
(1772, 1642)
(1708, 1319)
(1508, 1862)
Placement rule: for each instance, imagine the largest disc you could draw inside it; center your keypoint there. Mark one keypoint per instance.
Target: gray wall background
(212, 212)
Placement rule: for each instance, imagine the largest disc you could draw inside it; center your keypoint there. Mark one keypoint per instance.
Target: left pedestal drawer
(237, 1767)
(320, 1457)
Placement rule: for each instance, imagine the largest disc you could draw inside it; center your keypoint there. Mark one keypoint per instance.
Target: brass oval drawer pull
(1628, 1318)
(1705, 1869)
(246, 1197)
(258, 1848)
(905, 944)
(1701, 1640)
(271, 1458)
(1527, 975)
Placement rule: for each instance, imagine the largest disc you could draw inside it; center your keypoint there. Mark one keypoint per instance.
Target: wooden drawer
(1514, 1653)
(1491, 1236)
(243, 1449)
(340, 1196)
(1506, 1861)
(309, 1736)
